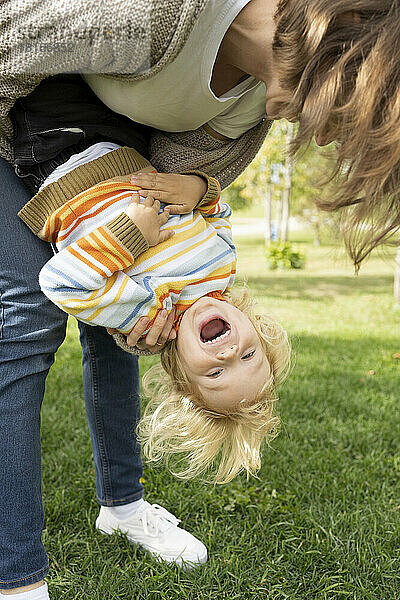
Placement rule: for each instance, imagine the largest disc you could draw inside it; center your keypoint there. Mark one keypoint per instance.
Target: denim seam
(21, 175)
(102, 451)
(46, 568)
(131, 498)
(1, 316)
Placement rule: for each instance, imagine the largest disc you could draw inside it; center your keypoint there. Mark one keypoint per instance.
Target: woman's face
(276, 98)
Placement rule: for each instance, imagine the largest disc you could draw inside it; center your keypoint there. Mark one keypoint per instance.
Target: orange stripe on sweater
(100, 189)
(177, 290)
(80, 220)
(123, 256)
(75, 209)
(72, 221)
(100, 252)
(105, 250)
(79, 256)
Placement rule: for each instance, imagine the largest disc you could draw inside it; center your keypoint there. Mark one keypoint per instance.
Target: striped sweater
(105, 274)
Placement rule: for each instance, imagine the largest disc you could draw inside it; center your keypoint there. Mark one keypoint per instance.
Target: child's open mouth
(214, 330)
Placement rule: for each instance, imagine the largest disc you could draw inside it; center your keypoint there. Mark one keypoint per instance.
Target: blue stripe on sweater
(141, 304)
(210, 262)
(62, 288)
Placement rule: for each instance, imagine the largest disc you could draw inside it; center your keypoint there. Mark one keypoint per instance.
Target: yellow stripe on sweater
(169, 259)
(93, 299)
(115, 299)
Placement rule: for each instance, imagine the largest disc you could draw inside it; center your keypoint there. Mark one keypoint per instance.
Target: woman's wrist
(211, 188)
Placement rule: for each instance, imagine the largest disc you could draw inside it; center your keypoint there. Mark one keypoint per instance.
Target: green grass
(321, 522)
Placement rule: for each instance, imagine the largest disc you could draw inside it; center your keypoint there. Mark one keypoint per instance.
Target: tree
(250, 186)
(397, 278)
(295, 183)
(287, 188)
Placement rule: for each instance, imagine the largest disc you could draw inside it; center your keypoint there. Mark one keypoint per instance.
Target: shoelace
(159, 518)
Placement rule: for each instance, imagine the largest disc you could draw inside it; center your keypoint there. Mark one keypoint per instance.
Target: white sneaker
(156, 530)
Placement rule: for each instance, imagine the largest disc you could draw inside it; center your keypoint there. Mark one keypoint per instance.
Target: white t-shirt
(179, 97)
(76, 160)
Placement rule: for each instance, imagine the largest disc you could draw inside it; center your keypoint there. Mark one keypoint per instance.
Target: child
(120, 259)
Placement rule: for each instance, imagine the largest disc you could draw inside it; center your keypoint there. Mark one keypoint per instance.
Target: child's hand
(182, 192)
(146, 218)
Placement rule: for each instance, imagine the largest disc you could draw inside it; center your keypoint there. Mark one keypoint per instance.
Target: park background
(322, 520)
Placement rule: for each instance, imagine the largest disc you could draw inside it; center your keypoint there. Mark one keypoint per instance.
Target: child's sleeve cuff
(128, 234)
(120, 340)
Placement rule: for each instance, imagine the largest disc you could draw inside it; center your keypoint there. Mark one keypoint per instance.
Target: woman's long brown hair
(341, 60)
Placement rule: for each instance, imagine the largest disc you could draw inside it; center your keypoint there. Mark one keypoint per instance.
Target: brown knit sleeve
(213, 189)
(179, 152)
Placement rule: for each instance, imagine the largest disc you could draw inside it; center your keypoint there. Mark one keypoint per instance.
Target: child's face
(221, 354)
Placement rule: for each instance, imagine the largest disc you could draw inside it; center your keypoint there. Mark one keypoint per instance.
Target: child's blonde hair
(177, 421)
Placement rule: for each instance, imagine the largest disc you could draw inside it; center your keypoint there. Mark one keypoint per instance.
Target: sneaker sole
(158, 556)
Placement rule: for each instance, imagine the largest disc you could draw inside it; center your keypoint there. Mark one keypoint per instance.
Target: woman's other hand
(161, 331)
(181, 192)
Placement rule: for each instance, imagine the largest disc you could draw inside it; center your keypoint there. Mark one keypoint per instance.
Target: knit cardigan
(122, 39)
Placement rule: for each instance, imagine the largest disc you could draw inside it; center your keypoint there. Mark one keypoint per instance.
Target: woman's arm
(45, 37)
(198, 150)
(117, 38)
(218, 214)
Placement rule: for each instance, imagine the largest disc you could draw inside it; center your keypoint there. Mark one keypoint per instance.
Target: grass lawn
(321, 522)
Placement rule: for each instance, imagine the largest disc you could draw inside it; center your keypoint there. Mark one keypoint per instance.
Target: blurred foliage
(236, 198)
(283, 256)
(250, 186)
(310, 180)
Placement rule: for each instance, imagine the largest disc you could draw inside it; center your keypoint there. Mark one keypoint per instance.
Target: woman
(303, 57)
(340, 62)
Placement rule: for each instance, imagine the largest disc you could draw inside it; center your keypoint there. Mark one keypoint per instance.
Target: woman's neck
(247, 45)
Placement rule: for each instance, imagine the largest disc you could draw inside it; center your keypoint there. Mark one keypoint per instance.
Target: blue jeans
(31, 330)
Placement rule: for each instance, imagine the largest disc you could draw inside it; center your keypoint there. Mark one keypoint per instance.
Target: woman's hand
(181, 192)
(146, 218)
(160, 332)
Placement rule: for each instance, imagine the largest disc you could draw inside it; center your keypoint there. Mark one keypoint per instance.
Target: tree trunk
(397, 278)
(317, 233)
(267, 212)
(266, 196)
(278, 221)
(285, 214)
(288, 185)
